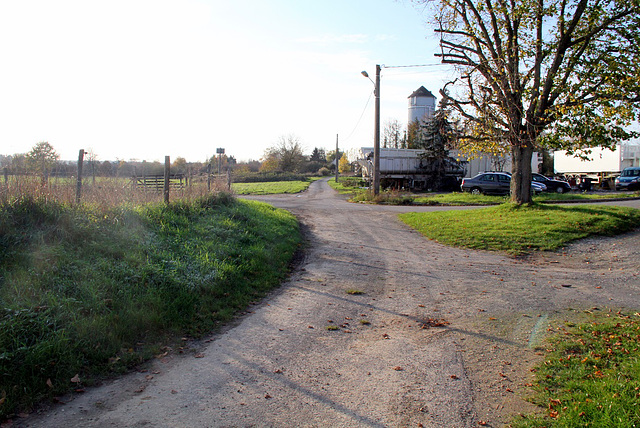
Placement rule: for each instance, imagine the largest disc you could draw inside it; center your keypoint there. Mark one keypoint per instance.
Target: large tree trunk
(521, 173)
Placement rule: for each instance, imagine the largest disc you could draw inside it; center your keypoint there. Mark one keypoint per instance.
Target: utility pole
(376, 131)
(376, 143)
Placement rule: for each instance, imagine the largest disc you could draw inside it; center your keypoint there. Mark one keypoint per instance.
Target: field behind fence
(111, 191)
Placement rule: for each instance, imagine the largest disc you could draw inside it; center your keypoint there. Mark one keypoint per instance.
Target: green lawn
(591, 377)
(465, 198)
(93, 291)
(269, 188)
(360, 194)
(517, 230)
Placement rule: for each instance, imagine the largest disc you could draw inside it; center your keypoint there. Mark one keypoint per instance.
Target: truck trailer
(408, 169)
(602, 165)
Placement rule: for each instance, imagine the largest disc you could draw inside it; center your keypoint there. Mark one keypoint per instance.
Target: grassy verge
(346, 186)
(464, 198)
(269, 188)
(460, 199)
(360, 194)
(553, 197)
(352, 186)
(591, 376)
(548, 227)
(93, 291)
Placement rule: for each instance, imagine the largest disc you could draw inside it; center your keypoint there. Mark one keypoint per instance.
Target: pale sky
(142, 79)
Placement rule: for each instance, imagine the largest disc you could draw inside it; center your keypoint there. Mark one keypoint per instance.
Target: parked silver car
(557, 186)
(494, 183)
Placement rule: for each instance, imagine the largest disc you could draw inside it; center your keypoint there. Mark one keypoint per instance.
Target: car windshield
(631, 173)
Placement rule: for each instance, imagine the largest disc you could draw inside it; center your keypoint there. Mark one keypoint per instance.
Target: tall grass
(106, 191)
(95, 289)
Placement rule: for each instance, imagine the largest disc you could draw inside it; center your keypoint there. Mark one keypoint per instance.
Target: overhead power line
(410, 66)
(358, 122)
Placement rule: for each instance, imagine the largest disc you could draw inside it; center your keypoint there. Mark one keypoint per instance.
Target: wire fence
(136, 189)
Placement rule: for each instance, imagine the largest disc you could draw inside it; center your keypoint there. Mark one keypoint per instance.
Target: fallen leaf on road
(433, 322)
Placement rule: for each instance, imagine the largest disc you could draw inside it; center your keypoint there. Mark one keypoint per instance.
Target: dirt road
(376, 327)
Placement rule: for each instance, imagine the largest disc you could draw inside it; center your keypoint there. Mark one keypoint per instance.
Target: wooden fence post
(79, 180)
(167, 166)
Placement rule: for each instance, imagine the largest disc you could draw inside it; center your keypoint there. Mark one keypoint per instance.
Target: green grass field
(465, 198)
(93, 291)
(360, 194)
(517, 230)
(591, 377)
(269, 188)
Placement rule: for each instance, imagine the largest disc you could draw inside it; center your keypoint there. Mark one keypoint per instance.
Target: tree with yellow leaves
(344, 166)
(561, 74)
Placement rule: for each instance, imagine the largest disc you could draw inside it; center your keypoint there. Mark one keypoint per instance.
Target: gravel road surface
(376, 327)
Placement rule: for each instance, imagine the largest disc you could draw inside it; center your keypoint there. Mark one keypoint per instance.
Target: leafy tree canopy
(286, 155)
(41, 158)
(541, 73)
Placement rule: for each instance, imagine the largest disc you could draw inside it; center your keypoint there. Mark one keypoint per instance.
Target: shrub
(389, 197)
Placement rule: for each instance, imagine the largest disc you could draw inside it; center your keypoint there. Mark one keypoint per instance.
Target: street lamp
(376, 138)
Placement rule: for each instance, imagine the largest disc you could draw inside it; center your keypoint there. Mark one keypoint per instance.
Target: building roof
(421, 92)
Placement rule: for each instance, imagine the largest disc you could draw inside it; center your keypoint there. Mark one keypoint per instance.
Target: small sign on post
(220, 152)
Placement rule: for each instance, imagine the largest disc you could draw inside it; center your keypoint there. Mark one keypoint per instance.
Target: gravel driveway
(376, 327)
